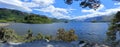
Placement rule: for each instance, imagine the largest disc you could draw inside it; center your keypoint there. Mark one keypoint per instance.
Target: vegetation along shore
(9, 35)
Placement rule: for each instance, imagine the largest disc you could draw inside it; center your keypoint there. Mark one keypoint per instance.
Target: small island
(66, 22)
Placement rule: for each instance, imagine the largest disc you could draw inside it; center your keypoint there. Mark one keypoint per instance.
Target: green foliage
(36, 19)
(49, 37)
(10, 35)
(92, 4)
(29, 34)
(114, 28)
(3, 21)
(60, 33)
(8, 15)
(2, 32)
(66, 36)
(39, 36)
(11, 15)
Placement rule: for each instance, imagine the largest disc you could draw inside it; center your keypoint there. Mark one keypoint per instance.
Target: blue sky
(58, 9)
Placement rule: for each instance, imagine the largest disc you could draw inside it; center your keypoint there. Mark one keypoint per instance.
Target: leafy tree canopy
(92, 4)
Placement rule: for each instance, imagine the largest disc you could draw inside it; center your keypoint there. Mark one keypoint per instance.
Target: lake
(92, 32)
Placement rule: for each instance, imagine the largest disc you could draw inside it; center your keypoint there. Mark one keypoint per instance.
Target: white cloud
(88, 16)
(56, 12)
(101, 7)
(53, 9)
(105, 12)
(112, 10)
(117, 3)
(30, 4)
(47, 7)
(16, 4)
(25, 6)
(92, 13)
(43, 3)
(38, 3)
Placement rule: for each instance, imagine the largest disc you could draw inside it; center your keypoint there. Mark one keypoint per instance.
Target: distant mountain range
(8, 15)
(97, 19)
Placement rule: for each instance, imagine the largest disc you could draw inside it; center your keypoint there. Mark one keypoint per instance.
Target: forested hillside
(8, 15)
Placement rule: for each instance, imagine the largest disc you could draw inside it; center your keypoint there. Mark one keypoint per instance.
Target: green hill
(8, 15)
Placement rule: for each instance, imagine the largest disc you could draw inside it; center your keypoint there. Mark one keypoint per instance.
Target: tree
(48, 37)
(70, 36)
(60, 34)
(92, 4)
(2, 31)
(30, 34)
(113, 29)
(8, 35)
(67, 36)
(39, 36)
(36, 19)
(29, 37)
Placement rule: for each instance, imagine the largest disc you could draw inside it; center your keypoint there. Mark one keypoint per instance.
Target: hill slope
(8, 15)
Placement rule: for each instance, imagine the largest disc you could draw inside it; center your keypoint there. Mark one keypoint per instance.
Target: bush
(49, 37)
(39, 36)
(66, 36)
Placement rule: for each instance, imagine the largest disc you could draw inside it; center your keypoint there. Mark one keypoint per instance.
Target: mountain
(97, 19)
(9, 15)
(60, 20)
(100, 19)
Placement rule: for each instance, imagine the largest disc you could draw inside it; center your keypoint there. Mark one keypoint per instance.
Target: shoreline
(74, 43)
(4, 24)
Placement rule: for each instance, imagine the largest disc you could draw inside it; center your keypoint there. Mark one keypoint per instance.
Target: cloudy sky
(58, 9)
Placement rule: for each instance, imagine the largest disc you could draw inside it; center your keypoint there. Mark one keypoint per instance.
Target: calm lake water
(92, 32)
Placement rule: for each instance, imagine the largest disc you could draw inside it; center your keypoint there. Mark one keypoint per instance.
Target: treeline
(67, 36)
(36, 19)
(8, 15)
(9, 35)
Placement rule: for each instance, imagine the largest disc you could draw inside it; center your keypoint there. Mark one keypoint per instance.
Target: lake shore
(58, 43)
(4, 24)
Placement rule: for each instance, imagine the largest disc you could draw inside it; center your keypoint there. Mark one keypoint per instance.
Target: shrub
(66, 36)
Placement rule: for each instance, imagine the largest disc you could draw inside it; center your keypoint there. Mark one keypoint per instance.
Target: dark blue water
(92, 32)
